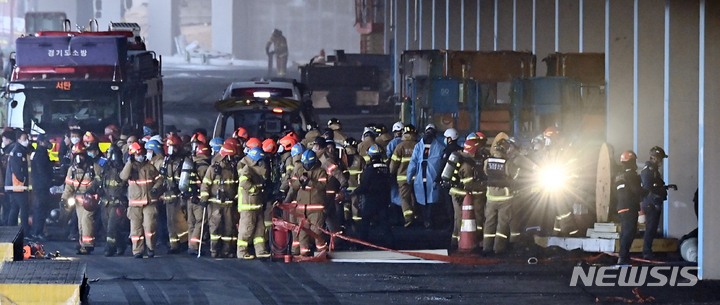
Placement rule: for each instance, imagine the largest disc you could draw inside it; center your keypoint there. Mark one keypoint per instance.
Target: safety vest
(496, 173)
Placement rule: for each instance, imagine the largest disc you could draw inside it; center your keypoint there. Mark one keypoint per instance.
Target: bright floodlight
(71, 202)
(553, 178)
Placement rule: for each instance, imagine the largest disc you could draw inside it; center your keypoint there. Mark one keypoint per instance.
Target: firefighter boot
(110, 249)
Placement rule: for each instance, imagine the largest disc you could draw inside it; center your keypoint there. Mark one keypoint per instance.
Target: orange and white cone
(468, 227)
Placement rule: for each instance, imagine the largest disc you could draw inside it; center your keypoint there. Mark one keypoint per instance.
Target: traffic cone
(468, 228)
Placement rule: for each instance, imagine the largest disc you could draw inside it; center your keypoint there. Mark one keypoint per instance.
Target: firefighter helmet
(111, 129)
(216, 144)
(550, 132)
(198, 137)
(398, 126)
(228, 149)
(628, 156)
(252, 143)
(380, 129)
(136, 149)
(78, 148)
(234, 142)
(269, 146)
(90, 202)
(334, 121)
(452, 134)
(471, 146)
(256, 154)
(297, 149)
(308, 157)
(409, 128)
(155, 146)
(89, 137)
(287, 143)
(240, 133)
(658, 152)
(351, 142)
(374, 151)
(202, 150)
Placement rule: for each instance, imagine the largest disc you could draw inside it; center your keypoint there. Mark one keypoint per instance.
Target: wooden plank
(659, 245)
(603, 191)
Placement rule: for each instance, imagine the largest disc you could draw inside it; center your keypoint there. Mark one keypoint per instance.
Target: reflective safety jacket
(172, 168)
(390, 149)
(383, 140)
(336, 178)
(470, 175)
(309, 140)
(220, 183)
(652, 181)
(629, 191)
(356, 164)
(286, 186)
(78, 180)
(114, 188)
(202, 164)
(499, 179)
(312, 192)
(157, 160)
(251, 185)
(363, 148)
(142, 178)
(400, 159)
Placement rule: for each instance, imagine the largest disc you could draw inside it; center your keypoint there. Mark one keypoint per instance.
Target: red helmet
(136, 149)
(174, 141)
(89, 137)
(202, 150)
(628, 156)
(111, 129)
(234, 142)
(471, 146)
(78, 148)
(550, 132)
(228, 149)
(269, 146)
(292, 135)
(241, 133)
(287, 142)
(252, 143)
(90, 202)
(198, 137)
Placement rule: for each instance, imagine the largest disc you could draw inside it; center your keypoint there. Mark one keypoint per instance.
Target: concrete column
(487, 15)
(227, 24)
(594, 26)
(524, 25)
(709, 259)
(455, 18)
(426, 24)
(505, 25)
(620, 82)
(163, 21)
(439, 6)
(545, 34)
(683, 164)
(651, 25)
(569, 23)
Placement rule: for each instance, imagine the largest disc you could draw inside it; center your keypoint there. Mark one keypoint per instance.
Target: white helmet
(452, 134)
(398, 126)
(430, 126)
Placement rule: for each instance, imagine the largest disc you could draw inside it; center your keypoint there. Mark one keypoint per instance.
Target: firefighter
(170, 171)
(253, 178)
(397, 130)
(89, 139)
(252, 143)
(469, 181)
(375, 188)
(113, 202)
(42, 174)
(451, 142)
(355, 166)
(424, 170)
(280, 50)
(652, 203)
(451, 145)
(400, 161)
(285, 160)
(308, 183)
(17, 182)
(196, 211)
(336, 182)
(629, 193)
(216, 144)
(154, 154)
(312, 133)
(272, 162)
(241, 134)
(219, 188)
(8, 143)
(336, 126)
(144, 188)
(384, 137)
(368, 140)
(79, 177)
(292, 164)
(498, 211)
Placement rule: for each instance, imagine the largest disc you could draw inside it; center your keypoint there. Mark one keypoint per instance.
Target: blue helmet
(216, 144)
(256, 154)
(297, 149)
(308, 157)
(155, 146)
(374, 150)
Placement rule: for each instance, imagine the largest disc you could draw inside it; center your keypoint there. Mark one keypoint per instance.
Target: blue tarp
(59, 51)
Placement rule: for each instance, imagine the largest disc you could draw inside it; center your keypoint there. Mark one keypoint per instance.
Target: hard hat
(312, 125)
(256, 154)
(501, 147)
(550, 132)
(471, 146)
(374, 150)
(155, 146)
(287, 143)
(628, 156)
(241, 133)
(78, 148)
(380, 129)
(90, 202)
(452, 134)
(228, 149)
(203, 150)
(368, 130)
(157, 137)
(658, 152)
(174, 141)
(333, 121)
(89, 137)
(269, 146)
(409, 128)
(234, 142)
(538, 139)
(430, 126)
(476, 135)
(111, 129)
(398, 126)
(297, 149)
(252, 143)
(216, 144)
(308, 157)
(351, 142)
(136, 149)
(198, 137)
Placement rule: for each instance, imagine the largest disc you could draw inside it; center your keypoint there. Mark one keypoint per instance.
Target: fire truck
(98, 78)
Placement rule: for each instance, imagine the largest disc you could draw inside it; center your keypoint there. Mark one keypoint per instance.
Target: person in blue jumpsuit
(652, 204)
(424, 171)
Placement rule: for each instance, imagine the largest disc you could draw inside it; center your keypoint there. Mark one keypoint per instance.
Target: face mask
(281, 149)
(91, 155)
(171, 150)
(75, 140)
(140, 158)
(149, 155)
(3, 144)
(25, 143)
(447, 141)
